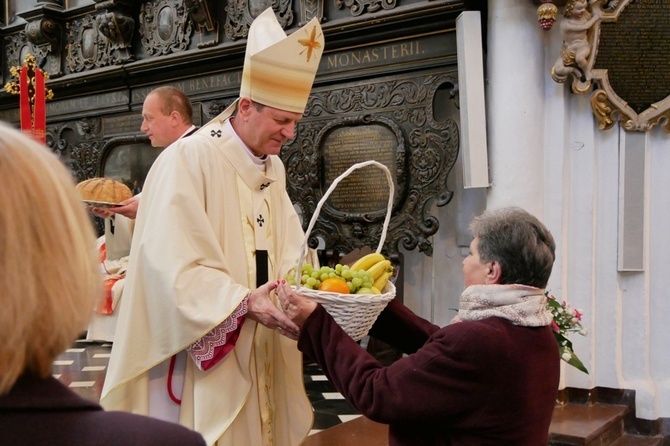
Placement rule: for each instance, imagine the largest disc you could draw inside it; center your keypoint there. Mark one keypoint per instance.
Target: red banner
(40, 108)
(24, 100)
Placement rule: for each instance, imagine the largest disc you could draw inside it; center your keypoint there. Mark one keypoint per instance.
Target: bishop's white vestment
(205, 210)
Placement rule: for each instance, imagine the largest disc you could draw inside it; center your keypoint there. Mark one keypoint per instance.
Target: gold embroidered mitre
(279, 70)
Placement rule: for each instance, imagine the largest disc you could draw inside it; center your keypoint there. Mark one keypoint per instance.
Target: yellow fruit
(375, 290)
(367, 261)
(380, 283)
(334, 285)
(364, 291)
(379, 268)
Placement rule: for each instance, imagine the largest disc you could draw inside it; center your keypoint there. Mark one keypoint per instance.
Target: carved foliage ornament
(623, 47)
(358, 7)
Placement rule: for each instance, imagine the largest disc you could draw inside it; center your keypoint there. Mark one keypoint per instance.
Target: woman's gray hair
(519, 242)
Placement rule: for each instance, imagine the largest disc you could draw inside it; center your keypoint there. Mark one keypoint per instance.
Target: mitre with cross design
(279, 70)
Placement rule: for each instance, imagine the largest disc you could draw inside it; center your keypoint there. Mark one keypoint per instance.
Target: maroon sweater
(472, 383)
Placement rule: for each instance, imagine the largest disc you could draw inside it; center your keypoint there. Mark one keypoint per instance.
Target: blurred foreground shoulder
(122, 428)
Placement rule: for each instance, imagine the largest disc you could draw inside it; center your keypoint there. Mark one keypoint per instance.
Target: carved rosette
(165, 27)
(240, 14)
(424, 154)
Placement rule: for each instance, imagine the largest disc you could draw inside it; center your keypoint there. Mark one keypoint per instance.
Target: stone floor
(83, 368)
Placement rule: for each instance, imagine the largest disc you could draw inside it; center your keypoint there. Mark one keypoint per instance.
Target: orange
(335, 285)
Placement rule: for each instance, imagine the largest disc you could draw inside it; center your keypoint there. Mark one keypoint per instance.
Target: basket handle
(346, 173)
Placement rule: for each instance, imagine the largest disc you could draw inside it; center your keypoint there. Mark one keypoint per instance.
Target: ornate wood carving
(358, 7)
(310, 9)
(98, 41)
(240, 14)
(44, 34)
(621, 48)
(199, 11)
(165, 27)
(426, 152)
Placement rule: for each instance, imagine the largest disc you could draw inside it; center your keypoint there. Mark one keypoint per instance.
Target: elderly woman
(48, 285)
(490, 379)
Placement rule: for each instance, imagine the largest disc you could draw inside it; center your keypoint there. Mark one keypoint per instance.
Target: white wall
(547, 155)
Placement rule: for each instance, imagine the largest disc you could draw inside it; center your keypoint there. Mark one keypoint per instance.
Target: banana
(367, 261)
(380, 283)
(379, 268)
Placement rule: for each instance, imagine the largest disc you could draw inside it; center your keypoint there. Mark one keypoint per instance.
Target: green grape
(332, 274)
(346, 274)
(366, 284)
(315, 274)
(304, 278)
(338, 268)
(351, 287)
(324, 276)
(307, 268)
(311, 282)
(356, 282)
(317, 284)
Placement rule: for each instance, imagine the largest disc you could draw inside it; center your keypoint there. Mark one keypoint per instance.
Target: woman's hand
(261, 309)
(296, 307)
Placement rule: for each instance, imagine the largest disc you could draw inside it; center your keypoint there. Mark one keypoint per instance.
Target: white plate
(101, 204)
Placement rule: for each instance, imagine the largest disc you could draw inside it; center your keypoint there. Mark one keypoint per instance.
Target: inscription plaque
(364, 190)
(634, 50)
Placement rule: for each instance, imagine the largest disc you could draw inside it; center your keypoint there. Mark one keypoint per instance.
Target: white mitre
(279, 70)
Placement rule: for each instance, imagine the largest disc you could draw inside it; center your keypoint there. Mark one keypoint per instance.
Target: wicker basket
(355, 313)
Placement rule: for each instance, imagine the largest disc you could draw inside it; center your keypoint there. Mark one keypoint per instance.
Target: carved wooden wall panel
(424, 152)
(382, 80)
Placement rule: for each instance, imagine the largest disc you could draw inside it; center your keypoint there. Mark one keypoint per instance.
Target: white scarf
(520, 304)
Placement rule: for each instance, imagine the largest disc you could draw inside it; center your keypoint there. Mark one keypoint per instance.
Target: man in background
(167, 115)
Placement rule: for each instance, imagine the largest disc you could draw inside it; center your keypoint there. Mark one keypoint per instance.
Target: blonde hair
(48, 262)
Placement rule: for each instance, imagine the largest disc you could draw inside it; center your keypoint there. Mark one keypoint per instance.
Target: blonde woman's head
(48, 261)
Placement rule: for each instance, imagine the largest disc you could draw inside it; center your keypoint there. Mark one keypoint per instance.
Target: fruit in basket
(313, 278)
(379, 268)
(380, 282)
(335, 285)
(367, 261)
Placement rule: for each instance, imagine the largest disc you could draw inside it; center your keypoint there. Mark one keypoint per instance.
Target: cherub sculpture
(576, 49)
